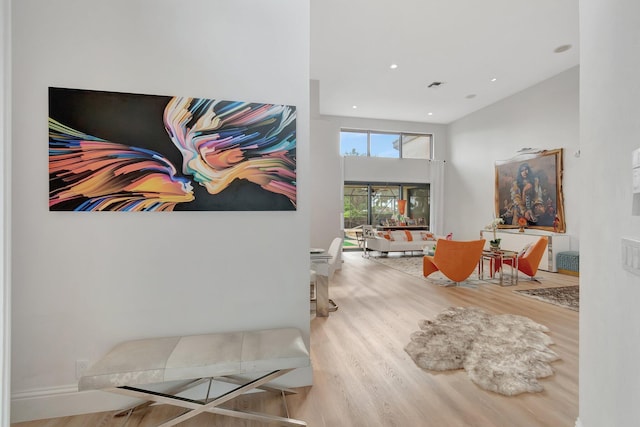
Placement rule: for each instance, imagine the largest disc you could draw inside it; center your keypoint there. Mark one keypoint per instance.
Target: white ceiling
(462, 43)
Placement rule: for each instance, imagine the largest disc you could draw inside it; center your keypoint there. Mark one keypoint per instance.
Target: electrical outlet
(81, 367)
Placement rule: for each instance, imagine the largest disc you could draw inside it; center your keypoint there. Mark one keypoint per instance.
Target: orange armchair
(529, 261)
(455, 259)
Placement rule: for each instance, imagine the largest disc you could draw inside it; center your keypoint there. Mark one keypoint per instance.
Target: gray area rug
(565, 296)
(412, 265)
(505, 353)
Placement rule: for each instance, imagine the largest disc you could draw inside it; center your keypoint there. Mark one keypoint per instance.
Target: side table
(497, 257)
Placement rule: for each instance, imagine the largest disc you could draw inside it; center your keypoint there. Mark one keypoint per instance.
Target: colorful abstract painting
(111, 151)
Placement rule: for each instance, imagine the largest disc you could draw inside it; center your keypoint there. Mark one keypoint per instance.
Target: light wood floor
(363, 377)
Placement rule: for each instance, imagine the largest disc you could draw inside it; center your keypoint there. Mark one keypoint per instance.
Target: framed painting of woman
(529, 188)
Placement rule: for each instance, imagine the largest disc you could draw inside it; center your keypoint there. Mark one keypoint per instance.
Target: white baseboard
(53, 402)
(578, 423)
(63, 401)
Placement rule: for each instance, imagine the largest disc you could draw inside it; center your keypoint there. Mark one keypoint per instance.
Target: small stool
(569, 262)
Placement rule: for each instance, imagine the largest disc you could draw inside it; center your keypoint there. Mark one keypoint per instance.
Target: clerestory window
(386, 144)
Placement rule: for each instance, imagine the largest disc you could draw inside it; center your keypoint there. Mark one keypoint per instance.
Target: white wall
(5, 229)
(326, 184)
(609, 295)
(85, 281)
(544, 116)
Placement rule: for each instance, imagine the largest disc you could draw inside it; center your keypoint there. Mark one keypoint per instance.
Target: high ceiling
(463, 44)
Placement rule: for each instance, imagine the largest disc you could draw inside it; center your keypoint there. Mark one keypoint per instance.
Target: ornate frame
(530, 186)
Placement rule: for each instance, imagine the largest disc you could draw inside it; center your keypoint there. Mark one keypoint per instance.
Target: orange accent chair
(454, 258)
(529, 260)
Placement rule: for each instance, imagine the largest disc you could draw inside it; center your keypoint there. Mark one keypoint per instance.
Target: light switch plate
(631, 255)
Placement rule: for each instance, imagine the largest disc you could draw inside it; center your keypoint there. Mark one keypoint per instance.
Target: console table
(513, 240)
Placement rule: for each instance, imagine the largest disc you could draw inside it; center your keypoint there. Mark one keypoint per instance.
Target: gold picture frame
(529, 186)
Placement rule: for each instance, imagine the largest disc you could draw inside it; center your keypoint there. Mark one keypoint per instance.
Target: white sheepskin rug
(502, 353)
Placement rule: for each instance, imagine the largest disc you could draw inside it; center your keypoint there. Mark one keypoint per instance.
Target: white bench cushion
(158, 360)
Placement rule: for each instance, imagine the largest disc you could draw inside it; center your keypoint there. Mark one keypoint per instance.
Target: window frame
(401, 136)
(403, 189)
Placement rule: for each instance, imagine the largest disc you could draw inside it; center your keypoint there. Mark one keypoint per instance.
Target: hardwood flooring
(364, 378)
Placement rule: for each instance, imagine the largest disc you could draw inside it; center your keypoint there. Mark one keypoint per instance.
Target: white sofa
(399, 240)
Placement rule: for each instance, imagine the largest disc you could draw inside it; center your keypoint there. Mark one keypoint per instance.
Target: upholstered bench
(568, 262)
(195, 359)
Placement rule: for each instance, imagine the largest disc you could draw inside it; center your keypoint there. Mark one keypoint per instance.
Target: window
(374, 204)
(356, 205)
(384, 202)
(417, 197)
(416, 146)
(354, 143)
(386, 144)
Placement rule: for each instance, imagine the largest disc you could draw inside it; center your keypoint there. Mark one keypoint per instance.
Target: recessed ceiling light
(429, 114)
(471, 96)
(393, 66)
(354, 107)
(493, 79)
(563, 48)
